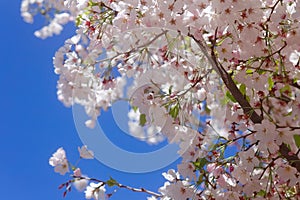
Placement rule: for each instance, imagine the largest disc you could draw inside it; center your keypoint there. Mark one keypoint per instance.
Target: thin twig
(143, 190)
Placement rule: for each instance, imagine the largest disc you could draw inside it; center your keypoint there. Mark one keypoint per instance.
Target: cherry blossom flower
(85, 153)
(178, 190)
(287, 173)
(211, 76)
(59, 161)
(95, 191)
(80, 184)
(171, 175)
(187, 170)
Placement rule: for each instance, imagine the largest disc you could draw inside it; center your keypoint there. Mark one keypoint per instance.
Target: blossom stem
(143, 190)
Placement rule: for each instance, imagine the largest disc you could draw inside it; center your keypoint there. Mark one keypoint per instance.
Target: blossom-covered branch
(217, 77)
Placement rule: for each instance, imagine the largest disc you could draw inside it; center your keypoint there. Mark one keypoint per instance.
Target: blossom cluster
(210, 75)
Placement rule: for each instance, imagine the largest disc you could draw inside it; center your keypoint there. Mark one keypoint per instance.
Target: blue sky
(34, 123)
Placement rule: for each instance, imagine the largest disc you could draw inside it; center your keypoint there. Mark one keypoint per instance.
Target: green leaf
(249, 71)
(271, 83)
(78, 21)
(261, 193)
(286, 88)
(207, 109)
(230, 97)
(260, 71)
(91, 3)
(297, 140)
(248, 98)
(134, 108)
(143, 119)
(111, 182)
(174, 111)
(200, 163)
(243, 89)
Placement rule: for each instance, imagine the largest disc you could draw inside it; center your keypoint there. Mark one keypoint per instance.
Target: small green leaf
(249, 71)
(78, 21)
(229, 96)
(286, 88)
(260, 71)
(135, 108)
(200, 163)
(111, 182)
(271, 83)
(174, 111)
(243, 89)
(261, 193)
(207, 110)
(143, 119)
(91, 3)
(248, 98)
(297, 140)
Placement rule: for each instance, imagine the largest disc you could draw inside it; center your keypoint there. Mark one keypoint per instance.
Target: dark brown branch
(292, 158)
(239, 97)
(231, 86)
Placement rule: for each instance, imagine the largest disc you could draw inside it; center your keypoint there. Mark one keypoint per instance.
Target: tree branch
(115, 183)
(292, 158)
(239, 97)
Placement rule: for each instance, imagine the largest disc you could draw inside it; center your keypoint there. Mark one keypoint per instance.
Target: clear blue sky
(34, 123)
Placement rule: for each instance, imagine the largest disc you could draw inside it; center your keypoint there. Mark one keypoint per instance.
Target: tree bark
(245, 105)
